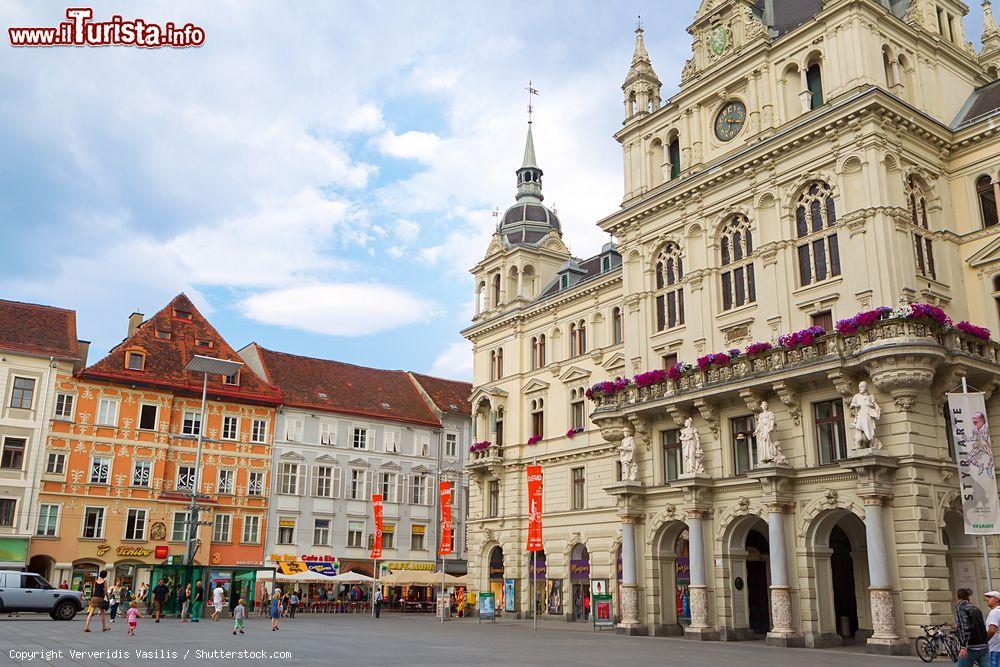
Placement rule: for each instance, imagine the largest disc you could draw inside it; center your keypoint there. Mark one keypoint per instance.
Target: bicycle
(936, 642)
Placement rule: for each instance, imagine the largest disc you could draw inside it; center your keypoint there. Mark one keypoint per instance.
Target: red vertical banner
(377, 511)
(535, 508)
(446, 545)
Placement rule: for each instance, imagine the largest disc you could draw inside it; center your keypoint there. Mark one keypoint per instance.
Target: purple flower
(753, 349)
(535, 439)
(973, 330)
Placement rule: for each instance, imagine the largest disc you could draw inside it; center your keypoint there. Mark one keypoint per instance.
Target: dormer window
(135, 361)
(200, 342)
(163, 335)
(232, 380)
(183, 315)
(605, 264)
(564, 282)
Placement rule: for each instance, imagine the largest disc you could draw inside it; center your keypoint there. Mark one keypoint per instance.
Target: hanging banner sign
(377, 511)
(446, 545)
(292, 567)
(325, 568)
(976, 469)
(535, 508)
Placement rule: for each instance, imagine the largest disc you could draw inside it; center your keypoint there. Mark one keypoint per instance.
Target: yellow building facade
(820, 160)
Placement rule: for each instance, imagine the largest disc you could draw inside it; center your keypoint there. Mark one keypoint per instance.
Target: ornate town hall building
(822, 158)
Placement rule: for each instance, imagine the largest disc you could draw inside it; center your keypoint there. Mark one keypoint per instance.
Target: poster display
(487, 607)
(446, 534)
(535, 508)
(509, 595)
(974, 456)
(603, 616)
(553, 594)
(377, 511)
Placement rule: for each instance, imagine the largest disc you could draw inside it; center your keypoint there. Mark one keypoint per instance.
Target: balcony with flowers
(484, 455)
(923, 334)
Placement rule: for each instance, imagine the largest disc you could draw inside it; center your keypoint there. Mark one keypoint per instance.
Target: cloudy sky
(319, 176)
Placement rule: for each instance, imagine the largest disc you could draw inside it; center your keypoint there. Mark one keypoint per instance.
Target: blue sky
(318, 176)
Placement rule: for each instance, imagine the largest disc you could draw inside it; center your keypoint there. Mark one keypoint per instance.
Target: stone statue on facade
(866, 413)
(626, 455)
(694, 457)
(768, 450)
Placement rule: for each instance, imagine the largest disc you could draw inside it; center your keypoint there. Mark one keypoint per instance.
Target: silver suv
(24, 591)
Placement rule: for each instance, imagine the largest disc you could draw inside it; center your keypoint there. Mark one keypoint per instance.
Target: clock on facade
(730, 120)
(719, 40)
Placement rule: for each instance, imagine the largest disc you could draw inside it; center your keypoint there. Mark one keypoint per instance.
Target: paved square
(396, 640)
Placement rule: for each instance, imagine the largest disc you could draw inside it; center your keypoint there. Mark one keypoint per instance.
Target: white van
(24, 591)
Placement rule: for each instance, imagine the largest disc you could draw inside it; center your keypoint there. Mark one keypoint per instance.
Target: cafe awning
(412, 578)
(350, 577)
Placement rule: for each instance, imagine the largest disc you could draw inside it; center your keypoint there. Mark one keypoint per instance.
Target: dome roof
(530, 213)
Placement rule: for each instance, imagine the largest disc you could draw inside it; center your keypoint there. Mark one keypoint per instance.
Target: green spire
(529, 175)
(529, 152)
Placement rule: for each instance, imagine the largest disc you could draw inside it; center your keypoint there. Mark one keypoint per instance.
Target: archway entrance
(963, 557)
(758, 599)
(579, 575)
(496, 577)
(840, 561)
(845, 603)
(672, 567)
(42, 565)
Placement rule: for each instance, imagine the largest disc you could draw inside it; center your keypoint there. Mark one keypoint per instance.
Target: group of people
(978, 638)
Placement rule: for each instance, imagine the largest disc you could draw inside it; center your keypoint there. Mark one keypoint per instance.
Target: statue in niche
(768, 450)
(691, 451)
(626, 456)
(866, 413)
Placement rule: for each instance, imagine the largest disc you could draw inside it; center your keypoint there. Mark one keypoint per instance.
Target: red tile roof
(169, 342)
(450, 396)
(322, 384)
(38, 330)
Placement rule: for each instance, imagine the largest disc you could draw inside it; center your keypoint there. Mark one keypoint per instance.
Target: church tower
(989, 57)
(642, 86)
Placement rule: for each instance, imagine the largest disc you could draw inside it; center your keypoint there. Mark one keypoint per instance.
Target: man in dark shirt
(971, 631)
(160, 592)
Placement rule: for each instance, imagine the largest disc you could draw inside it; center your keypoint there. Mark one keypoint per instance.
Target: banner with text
(535, 508)
(377, 511)
(446, 545)
(976, 470)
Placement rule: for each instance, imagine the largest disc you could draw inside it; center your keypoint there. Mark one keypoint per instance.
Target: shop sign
(540, 570)
(579, 570)
(317, 559)
(328, 569)
(496, 572)
(124, 551)
(255, 563)
(412, 565)
(161, 552)
(277, 558)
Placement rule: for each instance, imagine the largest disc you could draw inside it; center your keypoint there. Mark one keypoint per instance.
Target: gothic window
(987, 196)
(617, 332)
(815, 219)
(493, 364)
(736, 251)
(922, 246)
(669, 291)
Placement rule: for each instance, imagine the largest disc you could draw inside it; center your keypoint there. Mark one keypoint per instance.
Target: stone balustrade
(482, 459)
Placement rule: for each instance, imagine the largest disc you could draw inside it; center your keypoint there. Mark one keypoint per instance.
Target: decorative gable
(574, 374)
(988, 254)
(326, 458)
(360, 462)
(292, 455)
(615, 362)
(535, 385)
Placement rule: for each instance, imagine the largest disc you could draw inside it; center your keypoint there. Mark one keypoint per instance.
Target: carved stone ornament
(699, 607)
(781, 610)
(790, 399)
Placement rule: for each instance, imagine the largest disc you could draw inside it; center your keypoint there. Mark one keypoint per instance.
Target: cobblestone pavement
(395, 640)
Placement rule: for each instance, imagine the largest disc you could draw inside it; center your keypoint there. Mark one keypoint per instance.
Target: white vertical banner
(976, 470)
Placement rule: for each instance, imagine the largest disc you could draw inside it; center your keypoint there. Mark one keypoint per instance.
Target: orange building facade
(119, 464)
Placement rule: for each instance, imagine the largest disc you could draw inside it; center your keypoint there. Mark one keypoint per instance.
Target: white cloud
(407, 230)
(412, 145)
(344, 309)
(454, 362)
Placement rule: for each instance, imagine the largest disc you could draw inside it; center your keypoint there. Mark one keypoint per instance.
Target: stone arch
(766, 199)
(743, 543)
(851, 164)
(725, 216)
(802, 181)
(670, 576)
(694, 230)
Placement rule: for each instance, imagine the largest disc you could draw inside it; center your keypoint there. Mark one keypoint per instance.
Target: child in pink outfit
(133, 617)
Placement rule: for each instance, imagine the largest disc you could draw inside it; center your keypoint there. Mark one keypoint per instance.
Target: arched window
(921, 229)
(818, 249)
(538, 417)
(674, 155)
(481, 298)
(541, 351)
(617, 332)
(887, 67)
(581, 334)
(657, 158)
(987, 196)
(534, 352)
(736, 250)
(669, 291)
(500, 363)
(496, 290)
(814, 82)
(493, 365)
(573, 350)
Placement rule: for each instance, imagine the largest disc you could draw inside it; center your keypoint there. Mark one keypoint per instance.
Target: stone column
(629, 500)
(880, 590)
(698, 587)
(782, 631)
(630, 588)
(520, 284)
(805, 96)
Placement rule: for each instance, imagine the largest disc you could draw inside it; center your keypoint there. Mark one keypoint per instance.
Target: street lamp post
(207, 366)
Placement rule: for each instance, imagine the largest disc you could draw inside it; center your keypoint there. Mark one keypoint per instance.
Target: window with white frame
(360, 438)
(93, 522)
(294, 429)
(423, 445)
(179, 527)
(55, 463)
(222, 528)
(255, 484)
(64, 406)
(227, 482)
(142, 473)
(323, 481)
(258, 431)
(417, 537)
(251, 529)
(286, 530)
(451, 445)
(577, 409)
(360, 484)
(185, 478)
(100, 469)
(328, 433)
(389, 486)
(289, 478)
(23, 393)
(355, 533)
(230, 427)
(388, 536)
(107, 412)
(321, 532)
(12, 453)
(420, 490)
(48, 520)
(390, 438)
(148, 417)
(135, 524)
(191, 424)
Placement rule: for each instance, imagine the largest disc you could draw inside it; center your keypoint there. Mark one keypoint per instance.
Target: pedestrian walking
(971, 631)
(132, 616)
(240, 617)
(378, 602)
(275, 608)
(142, 595)
(160, 593)
(218, 600)
(99, 602)
(113, 599)
(197, 600)
(293, 604)
(184, 600)
(992, 625)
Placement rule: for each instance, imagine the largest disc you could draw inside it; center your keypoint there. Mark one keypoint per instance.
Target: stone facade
(807, 169)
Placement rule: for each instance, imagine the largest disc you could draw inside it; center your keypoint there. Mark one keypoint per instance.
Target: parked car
(24, 591)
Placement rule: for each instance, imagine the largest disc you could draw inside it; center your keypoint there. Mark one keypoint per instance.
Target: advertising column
(534, 529)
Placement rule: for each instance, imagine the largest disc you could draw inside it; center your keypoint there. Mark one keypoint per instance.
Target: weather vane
(531, 91)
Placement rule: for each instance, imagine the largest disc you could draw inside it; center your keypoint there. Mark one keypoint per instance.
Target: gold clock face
(730, 120)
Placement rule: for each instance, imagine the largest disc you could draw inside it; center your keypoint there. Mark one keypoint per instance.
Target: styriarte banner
(535, 508)
(377, 511)
(446, 545)
(976, 469)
